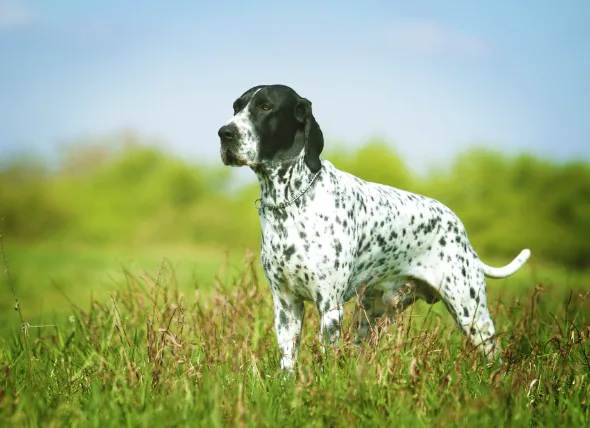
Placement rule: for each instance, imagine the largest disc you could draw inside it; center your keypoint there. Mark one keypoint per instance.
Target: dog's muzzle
(229, 135)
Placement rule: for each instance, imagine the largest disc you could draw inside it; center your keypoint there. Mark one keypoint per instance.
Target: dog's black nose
(227, 132)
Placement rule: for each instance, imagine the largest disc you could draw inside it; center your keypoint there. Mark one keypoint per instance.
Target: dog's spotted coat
(327, 233)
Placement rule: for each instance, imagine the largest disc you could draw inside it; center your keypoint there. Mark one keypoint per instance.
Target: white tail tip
(510, 268)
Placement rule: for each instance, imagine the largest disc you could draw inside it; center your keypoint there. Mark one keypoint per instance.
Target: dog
(327, 235)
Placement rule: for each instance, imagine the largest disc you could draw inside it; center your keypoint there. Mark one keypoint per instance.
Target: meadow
(141, 301)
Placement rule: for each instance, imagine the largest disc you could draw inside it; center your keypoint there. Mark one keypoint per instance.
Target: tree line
(106, 193)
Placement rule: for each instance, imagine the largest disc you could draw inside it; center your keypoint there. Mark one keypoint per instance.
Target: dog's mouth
(230, 159)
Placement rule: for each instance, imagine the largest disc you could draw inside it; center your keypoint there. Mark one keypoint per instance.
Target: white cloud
(434, 38)
(14, 15)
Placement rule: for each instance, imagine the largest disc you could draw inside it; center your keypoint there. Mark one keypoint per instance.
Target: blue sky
(432, 77)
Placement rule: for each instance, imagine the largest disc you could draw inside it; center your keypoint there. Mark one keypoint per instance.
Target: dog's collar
(261, 207)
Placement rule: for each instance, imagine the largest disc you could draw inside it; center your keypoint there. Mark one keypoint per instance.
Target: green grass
(138, 340)
(49, 276)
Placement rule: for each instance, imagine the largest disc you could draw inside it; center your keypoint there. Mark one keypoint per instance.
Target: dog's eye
(265, 107)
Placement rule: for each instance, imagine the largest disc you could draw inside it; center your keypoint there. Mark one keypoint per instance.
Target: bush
(137, 193)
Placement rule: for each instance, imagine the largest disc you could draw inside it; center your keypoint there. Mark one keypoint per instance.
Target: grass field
(183, 336)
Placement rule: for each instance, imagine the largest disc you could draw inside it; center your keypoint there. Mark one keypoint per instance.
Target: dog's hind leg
(378, 305)
(468, 306)
(368, 315)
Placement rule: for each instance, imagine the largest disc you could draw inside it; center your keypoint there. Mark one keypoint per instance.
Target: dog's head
(272, 124)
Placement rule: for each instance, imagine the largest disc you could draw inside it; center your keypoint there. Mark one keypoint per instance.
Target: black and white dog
(326, 233)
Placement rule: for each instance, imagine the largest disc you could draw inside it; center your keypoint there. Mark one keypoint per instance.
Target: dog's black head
(272, 124)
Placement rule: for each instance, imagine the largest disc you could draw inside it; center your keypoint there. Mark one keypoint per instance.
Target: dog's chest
(304, 247)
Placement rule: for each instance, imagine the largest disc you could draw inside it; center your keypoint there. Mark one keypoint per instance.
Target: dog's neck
(281, 184)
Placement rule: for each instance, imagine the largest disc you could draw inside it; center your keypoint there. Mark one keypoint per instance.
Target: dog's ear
(312, 134)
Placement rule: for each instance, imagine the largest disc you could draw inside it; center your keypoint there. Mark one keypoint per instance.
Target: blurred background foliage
(124, 191)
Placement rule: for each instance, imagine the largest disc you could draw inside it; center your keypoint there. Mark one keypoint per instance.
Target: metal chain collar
(260, 206)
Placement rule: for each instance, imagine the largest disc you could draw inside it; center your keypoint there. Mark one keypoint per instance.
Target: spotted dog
(327, 233)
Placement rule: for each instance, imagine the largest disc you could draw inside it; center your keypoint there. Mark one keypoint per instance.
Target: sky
(432, 78)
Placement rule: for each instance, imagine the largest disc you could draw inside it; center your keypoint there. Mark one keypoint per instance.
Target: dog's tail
(509, 269)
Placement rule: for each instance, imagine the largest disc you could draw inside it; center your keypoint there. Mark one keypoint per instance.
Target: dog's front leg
(331, 323)
(288, 312)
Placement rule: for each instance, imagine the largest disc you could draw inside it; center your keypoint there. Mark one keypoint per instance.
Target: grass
(154, 343)
(48, 276)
